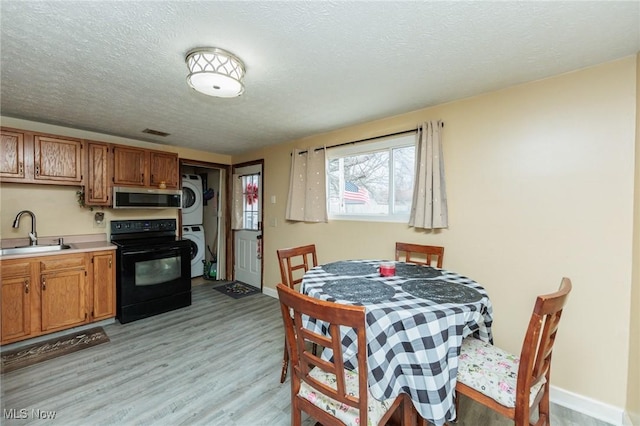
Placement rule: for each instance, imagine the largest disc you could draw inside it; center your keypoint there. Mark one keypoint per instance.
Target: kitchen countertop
(78, 243)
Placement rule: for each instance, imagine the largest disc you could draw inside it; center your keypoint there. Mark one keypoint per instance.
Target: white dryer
(191, 200)
(195, 234)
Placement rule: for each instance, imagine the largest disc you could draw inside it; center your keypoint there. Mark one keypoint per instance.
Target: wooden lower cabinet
(41, 295)
(103, 289)
(16, 308)
(63, 299)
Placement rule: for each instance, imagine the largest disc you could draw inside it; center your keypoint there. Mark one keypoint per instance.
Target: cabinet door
(163, 168)
(104, 286)
(57, 160)
(12, 161)
(16, 310)
(98, 171)
(129, 166)
(63, 299)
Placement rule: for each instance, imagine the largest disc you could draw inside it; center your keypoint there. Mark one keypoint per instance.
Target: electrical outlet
(98, 220)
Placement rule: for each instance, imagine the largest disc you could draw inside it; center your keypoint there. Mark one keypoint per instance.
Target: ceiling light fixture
(215, 72)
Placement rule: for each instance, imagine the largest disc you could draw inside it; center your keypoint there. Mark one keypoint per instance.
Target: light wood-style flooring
(216, 362)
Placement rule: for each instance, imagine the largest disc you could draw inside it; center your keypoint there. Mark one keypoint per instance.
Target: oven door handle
(151, 250)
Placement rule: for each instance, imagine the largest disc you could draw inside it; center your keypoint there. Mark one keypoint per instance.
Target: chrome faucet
(32, 235)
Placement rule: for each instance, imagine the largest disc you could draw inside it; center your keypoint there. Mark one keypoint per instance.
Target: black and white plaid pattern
(413, 343)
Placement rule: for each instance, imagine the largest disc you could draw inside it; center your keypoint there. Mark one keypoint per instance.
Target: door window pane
(250, 200)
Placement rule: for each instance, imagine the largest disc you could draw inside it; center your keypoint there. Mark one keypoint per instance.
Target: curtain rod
(247, 174)
(403, 132)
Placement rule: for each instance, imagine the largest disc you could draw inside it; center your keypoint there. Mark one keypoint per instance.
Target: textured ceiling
(117, 67)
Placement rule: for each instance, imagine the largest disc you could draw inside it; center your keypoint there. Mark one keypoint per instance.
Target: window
(250, 201)
(372, 181)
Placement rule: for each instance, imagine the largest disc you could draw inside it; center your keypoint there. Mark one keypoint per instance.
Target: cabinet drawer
(58, 263)
(15, 269)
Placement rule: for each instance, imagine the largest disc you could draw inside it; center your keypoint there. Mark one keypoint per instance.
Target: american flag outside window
(355, 195)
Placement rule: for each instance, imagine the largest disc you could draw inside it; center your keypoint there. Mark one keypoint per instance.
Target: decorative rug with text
(32, 354)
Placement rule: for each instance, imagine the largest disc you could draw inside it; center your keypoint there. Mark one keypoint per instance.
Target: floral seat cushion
(346, 413)
(491, 371)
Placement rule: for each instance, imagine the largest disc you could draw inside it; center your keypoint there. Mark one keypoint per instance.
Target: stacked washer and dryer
(192, 220)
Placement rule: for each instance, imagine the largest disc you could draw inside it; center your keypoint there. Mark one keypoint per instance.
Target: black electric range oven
(153, 268)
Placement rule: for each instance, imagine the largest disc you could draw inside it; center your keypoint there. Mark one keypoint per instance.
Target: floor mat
(28, 355)
(237, 289)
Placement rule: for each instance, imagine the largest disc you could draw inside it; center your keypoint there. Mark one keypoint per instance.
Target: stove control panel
(138, 226)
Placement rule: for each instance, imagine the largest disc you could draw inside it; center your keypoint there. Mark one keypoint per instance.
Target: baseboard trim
(271, 292)
(591, 407)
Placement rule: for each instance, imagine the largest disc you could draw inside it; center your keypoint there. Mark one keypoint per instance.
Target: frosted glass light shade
(215, 72)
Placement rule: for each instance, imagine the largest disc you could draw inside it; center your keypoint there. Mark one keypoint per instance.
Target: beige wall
(633, 394)
(56, 208)
(540, 181)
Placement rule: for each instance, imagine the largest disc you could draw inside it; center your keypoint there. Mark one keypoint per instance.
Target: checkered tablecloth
(413, 343)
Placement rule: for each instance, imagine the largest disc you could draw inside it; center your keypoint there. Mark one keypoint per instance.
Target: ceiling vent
(156, 132)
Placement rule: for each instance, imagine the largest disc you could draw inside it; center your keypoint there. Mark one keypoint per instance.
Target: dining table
(416, 319)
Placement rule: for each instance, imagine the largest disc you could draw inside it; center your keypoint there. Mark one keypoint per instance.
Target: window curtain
(307, 200)
(429, 205)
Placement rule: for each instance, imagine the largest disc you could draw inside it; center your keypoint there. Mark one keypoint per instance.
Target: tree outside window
(372, 181)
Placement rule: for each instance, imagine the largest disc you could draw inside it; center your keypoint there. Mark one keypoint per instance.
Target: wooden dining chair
(294, 262)
(324, 389)
(510, 385)
(420, 254)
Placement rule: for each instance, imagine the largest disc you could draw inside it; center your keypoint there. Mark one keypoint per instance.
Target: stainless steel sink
(33, 249)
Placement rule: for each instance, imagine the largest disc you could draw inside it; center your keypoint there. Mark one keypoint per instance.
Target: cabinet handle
(20, 167)
(142, 177)
(109, 263)
(26, 286)
(37, 170)
(153, 179)
(44, 283)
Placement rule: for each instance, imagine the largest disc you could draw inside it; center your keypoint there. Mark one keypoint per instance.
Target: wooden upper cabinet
(130, 166)
(163, 168)
(32, 157)
(143, 167)
(98, 182)
(57, 160)
(12, 158)
(29, 157)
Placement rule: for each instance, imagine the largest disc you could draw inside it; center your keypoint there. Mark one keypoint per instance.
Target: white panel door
(247, 237)
(248, 264)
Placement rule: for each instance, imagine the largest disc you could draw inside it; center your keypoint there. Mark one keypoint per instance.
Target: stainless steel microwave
(146, 198)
